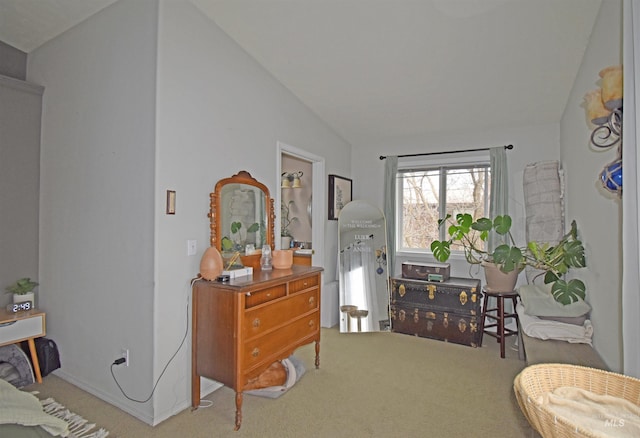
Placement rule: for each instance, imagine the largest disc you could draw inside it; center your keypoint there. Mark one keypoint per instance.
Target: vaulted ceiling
(381, 69)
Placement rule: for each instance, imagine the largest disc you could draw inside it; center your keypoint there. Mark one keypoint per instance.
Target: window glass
(428, 192)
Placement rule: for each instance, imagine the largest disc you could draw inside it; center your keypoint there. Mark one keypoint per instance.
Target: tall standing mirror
(242, 217)
(363, 273)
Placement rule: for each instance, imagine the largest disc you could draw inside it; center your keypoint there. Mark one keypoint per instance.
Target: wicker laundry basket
(535, 380)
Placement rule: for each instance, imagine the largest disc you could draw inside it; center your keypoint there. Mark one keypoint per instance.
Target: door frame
(317, 202)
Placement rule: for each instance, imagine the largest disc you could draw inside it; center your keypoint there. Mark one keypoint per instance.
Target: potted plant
(554, 261)
(22, 290)
(285, 222)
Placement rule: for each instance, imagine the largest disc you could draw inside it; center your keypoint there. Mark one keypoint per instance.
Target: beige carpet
(368, 385)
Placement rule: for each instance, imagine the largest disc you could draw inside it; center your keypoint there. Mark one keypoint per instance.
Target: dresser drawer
(252, 299)
(21, 329)
(302, 284)
(262, 319)
(263, 349)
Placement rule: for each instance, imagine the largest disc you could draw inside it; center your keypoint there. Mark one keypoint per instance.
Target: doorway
(306, 201)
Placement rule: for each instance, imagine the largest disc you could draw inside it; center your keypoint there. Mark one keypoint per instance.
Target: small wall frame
(340, 194)
(171, 202)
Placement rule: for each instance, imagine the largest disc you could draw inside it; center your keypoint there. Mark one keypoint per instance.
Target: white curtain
(390, 190)
(630, 204)
(499, 203)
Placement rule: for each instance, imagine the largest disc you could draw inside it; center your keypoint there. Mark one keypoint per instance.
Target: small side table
(498, 315)
(23, 326)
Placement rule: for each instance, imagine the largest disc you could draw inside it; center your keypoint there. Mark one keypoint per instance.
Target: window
(429, 190)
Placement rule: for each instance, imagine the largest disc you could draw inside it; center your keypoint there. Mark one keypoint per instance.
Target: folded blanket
(295, 369)
(545, 329)
(18, 407)
(538, 301)
(601, 415)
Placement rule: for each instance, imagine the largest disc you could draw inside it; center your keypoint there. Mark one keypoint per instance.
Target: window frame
(479, 158)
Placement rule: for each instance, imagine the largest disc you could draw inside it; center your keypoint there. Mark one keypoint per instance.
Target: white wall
(531, 144)
(20, 109)
(218, 112)
(97, 197)
(597, 211)
(113, 266)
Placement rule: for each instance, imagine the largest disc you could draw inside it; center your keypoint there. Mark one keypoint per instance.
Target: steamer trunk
(459, 295)
(443, 326)
(426, 271)
(448, 311)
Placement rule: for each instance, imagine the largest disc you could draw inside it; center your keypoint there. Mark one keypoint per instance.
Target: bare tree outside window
(428, 192)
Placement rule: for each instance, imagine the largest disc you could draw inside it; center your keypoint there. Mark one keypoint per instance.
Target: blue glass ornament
(611, 176)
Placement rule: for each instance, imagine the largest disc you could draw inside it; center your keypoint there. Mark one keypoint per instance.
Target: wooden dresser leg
(195, 391)
(34, 359)
(238, 410)
(317, 354)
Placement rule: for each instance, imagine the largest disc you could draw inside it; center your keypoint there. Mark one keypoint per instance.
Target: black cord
(163, 371)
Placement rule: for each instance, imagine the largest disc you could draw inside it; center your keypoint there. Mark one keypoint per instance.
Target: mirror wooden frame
(216, 215)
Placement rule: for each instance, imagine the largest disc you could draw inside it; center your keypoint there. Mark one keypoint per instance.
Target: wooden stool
(501, 331)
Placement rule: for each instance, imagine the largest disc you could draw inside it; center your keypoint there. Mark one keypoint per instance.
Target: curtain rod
(509, 146)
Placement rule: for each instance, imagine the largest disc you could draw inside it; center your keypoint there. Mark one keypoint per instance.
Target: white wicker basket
(536, 380)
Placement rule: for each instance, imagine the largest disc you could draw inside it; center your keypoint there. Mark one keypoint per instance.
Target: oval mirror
(363, 274)
(242, 218)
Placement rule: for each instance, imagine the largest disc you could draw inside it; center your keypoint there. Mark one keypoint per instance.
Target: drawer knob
(256, 322)
(268, 294)
(312, 301)
(255, 352)
(304, 284)
(311, 323)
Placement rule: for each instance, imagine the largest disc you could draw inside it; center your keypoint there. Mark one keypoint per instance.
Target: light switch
(192, 247)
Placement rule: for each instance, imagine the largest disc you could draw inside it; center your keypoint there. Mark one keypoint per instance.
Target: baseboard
(207, 387)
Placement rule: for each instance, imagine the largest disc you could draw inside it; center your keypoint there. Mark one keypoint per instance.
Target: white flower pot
(498, 281)
(285, 242)
(29, 296)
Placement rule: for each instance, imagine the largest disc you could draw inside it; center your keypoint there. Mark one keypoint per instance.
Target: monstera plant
(554, 261)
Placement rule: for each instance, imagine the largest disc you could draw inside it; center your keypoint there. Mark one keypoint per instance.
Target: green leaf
(441, 250)
(508, 258)
(502, 224)
(574, 254)
(253, 228)
(567, 293)
(482, 224)
(550, 277)
(464, 220)
(235, 227)
(226, 244)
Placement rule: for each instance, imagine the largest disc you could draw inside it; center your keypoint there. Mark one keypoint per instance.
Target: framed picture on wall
(340, 193)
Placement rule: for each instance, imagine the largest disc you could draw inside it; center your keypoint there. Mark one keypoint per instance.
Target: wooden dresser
(241, 327)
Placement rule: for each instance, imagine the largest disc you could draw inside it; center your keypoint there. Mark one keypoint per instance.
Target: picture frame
(340, 194)
(171, 202)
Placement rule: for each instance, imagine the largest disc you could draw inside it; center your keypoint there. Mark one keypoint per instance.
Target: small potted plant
(286, 220)
(22, 290)
(554, 261)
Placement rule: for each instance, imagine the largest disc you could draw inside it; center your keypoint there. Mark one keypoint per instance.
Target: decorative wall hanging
(604, 109)
(340, 194)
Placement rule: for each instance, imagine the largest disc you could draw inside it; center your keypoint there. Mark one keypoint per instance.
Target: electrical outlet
(192, 247)
(125, 355)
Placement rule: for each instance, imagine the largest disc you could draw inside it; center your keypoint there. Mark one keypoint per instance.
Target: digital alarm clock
(20, 307)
